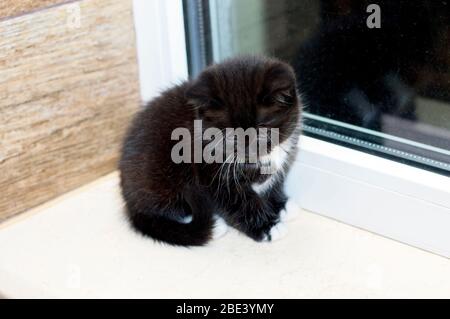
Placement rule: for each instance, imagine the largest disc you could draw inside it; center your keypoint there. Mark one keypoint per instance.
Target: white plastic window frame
(395, 200)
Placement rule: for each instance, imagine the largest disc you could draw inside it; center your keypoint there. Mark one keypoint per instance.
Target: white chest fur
(276, 159)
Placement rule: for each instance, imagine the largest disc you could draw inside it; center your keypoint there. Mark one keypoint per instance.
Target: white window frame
(395, 200)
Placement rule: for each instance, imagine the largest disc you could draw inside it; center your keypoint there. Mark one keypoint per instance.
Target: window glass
(373, 75)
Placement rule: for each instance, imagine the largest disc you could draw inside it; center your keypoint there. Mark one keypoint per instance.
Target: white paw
(277, 232)
(290, 212)
(186, 220)
(220, 228)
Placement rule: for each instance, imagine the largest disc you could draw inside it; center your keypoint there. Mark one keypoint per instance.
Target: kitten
(187, 203)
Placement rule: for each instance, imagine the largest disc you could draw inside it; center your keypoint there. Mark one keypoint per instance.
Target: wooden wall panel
(67, 93)
(11, 8)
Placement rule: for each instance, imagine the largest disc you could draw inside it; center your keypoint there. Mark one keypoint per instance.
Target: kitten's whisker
(236, 179)
(227, 181)
(219, 173)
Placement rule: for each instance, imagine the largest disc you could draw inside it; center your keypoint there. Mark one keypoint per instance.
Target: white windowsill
(80, 246)
(388, 198)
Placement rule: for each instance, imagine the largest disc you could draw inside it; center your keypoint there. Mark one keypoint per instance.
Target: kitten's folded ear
(280, 84)
(199, 92)
(279, 77)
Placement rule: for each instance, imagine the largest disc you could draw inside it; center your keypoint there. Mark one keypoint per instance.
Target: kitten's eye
(284, 98)
(268, 122)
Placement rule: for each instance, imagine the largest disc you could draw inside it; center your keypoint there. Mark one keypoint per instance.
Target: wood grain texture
(66, 97)
(11, 8)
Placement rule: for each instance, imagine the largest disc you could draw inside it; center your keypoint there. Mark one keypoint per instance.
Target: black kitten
(186, 203)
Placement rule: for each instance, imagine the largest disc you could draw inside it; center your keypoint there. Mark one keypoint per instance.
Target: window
(375, 150)
(376, 78)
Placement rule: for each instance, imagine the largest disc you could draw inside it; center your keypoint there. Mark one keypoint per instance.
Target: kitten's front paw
(278, 231)
(290, 212)
(220, 228)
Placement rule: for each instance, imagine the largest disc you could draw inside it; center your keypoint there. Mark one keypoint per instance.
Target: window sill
(388, 198)
(79, 246)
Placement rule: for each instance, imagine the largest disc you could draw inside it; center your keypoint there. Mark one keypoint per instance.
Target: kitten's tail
(196, 233)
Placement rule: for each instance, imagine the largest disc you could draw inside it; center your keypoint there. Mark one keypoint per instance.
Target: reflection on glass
(384, 89)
